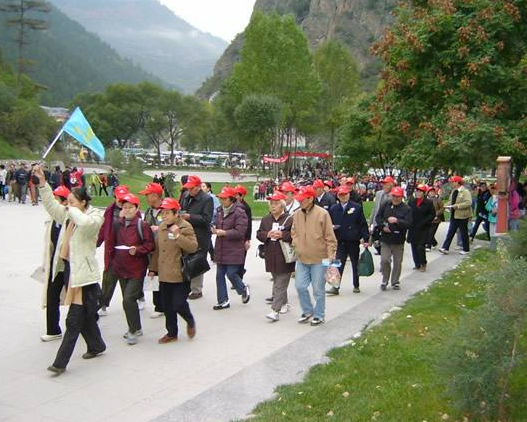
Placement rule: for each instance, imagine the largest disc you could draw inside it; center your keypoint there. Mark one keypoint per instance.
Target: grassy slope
(391, 373)
(137, 183)
(9, 151)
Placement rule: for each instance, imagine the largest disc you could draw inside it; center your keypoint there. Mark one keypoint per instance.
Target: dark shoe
(383, 286)
(317, 321)
(222, 305)
(191, 331)
(246, 296)
(356, 290)
(91, 355)
(195, 295)
(422, 268)
(55, 370)
(166, 339)
(269, 299)
(332, 291)
(396, 286)
(304, 318)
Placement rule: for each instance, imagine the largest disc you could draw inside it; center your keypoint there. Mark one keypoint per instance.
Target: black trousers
(82, 319)
(432, 236)
(156, 300)
(455, 225)
(419, 253)
(103, 188)
(349, 248)
(53, 304)
(486, 226)
(109, 281)
(174, 299)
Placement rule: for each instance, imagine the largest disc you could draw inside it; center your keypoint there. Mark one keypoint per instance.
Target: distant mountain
(357, 23)
(151, 35)
(70, 60)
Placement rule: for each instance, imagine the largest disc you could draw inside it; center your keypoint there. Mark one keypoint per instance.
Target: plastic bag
(333, 277)
(151, 284)
(366, 267)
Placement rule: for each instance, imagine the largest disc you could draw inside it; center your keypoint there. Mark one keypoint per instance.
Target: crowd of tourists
(309, 229)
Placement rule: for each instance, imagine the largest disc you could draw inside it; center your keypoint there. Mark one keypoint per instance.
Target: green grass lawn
(391, 373)
(137, 183)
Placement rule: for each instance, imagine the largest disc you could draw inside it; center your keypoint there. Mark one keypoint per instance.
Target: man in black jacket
(350, 227)
(323, 199)
(423, 213)
(197, 208)
(394, 218)
(482, 215)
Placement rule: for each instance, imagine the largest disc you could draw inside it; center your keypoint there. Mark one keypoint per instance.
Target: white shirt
(3, 175)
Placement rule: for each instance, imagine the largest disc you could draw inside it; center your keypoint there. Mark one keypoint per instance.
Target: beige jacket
(84, 269)
(166, 259)
(313, 235)
(463, 207)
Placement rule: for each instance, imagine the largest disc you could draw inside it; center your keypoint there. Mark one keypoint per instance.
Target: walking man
(381, 197)
(460, 206)
(314, 241)
(394, 218)
(350, 226)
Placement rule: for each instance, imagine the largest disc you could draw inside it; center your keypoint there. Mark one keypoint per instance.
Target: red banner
(285, 157)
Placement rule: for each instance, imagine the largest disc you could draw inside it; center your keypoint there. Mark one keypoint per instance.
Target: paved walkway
(235, 361)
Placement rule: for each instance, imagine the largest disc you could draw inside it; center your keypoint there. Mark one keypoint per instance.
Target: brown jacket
(274, 257)
(463, 207)
(166, 259)
(313, 235)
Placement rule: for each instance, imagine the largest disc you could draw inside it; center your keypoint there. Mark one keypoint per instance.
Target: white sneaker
(464, 252)
(458, 248)
(156, 314)
(103, 312)
(47, 337)
(285, 308)
(273, 316)
(443, 251)
(138, 333)
(141, 304)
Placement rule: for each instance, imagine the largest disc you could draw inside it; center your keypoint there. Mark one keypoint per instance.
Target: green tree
(339, 74)
(454, 91)
(276, 61)
(23, 19)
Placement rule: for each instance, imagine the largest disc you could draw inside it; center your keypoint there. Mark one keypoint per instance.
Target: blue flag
(78, 127)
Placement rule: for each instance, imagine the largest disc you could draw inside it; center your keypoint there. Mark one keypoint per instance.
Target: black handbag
(194, 264)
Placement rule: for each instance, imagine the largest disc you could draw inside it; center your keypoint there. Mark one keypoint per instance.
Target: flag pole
(53, 143)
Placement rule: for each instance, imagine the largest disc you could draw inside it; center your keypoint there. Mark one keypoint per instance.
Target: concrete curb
(237, 396)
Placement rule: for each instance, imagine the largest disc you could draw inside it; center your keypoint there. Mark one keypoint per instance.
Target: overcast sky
(223, 18)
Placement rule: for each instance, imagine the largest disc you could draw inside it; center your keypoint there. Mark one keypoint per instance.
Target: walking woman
(81, 273)
(231, 231)
(433, 196)
(275, 228)
(54, 271)
(175, 237)
(423, 213)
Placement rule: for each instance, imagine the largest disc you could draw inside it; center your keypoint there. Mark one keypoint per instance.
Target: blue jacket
(350, 221)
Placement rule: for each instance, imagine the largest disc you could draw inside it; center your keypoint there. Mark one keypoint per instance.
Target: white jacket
(84, 269)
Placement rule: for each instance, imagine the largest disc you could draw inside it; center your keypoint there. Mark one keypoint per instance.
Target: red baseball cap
(456, 179)
(288, 187)
(152, 188)
(343, 190)
(422, 187)
(350, 181)
(227, 192)
(397, 191)
(277, 196)
(170, 204)
(388, 179)
(318, 184)
(130, 197)
(120, 191)
(62, 191)
(240, 190)
(192, 182)
(328, 183)
(432, 188)
(305, 192)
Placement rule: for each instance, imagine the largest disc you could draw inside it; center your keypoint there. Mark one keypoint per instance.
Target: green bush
(482, 354)
(116, 159)
(518, 247)
(135, 167)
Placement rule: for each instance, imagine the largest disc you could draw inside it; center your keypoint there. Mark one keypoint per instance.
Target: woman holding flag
(81, 274)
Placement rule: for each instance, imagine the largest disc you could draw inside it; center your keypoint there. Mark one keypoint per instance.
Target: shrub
(135, 167)
(518, 246)
(483, 352)
(116, 159)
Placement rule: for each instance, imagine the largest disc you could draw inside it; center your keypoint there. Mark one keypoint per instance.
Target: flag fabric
(78, 127)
